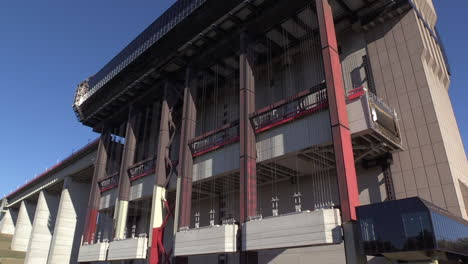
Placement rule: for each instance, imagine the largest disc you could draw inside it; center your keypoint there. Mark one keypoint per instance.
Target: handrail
(109, 182)
(142, 168)
(215, 139)
(289, 109)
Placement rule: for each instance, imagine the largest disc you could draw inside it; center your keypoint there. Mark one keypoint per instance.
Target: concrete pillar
(159, 190)
(342, 145)
(22, 234)
(248, 151)
(189, 118)
(183, 207)
(42, 229)
(95, 194)
(7, 224)
(69, 226)
(124, 182)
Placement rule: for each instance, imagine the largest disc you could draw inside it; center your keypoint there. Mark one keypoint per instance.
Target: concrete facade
(410, 74)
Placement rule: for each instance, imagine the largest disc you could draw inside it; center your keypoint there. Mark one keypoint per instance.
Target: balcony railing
(167, 21)
(142, 169)
(215, 139)
(287, 110)
(109, 182)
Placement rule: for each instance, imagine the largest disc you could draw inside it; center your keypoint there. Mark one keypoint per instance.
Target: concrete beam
(22, 234)
(69, 226)
(42, 229)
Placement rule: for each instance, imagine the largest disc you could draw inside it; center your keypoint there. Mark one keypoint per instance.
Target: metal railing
(142, 169)
(287, 110)
(109, 182)
(215, 139)
(167, 21)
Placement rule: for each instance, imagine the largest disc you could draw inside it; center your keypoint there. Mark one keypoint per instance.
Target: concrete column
(159, 190)
(42, 229)
(95, 195)
(342, 145)
(189, 117)
(248, 151)
(124, 182)
(69, 226)
(22, 234)
(7, 224)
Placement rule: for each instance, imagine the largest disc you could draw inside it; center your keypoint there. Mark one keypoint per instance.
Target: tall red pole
(344, 158)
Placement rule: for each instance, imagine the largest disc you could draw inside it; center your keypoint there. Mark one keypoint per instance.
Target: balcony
(206, 240)
(296, 124)
(306, 228)
(287, 110)
(132, 248)
(93, 252)
(216, 151)
(215, 139)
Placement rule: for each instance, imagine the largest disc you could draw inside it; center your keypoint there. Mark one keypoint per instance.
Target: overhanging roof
(156, 52)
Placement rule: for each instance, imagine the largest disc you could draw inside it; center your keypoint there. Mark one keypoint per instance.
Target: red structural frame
(346, 171)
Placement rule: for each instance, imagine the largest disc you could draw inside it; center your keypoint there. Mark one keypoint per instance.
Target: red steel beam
(346, 171)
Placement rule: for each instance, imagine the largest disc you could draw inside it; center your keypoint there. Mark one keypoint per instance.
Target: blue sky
(47, 47)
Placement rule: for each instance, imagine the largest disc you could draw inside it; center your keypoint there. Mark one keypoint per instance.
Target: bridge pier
(7, 223)
(22, 234)
(69, 226)
(42, 229)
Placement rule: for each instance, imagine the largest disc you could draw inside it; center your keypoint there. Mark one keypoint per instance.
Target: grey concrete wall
(217, 104)
(371, 185)
(410, 75)
(353, 48)
(8, 222)
(306, 71)
(216, 162)
(43, 228)
(108, 199)
(300, 134)
(328, 254)
(22, 234)
(142, 187)
(70, 223)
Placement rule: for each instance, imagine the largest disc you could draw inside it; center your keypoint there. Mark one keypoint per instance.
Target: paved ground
(8, 256)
